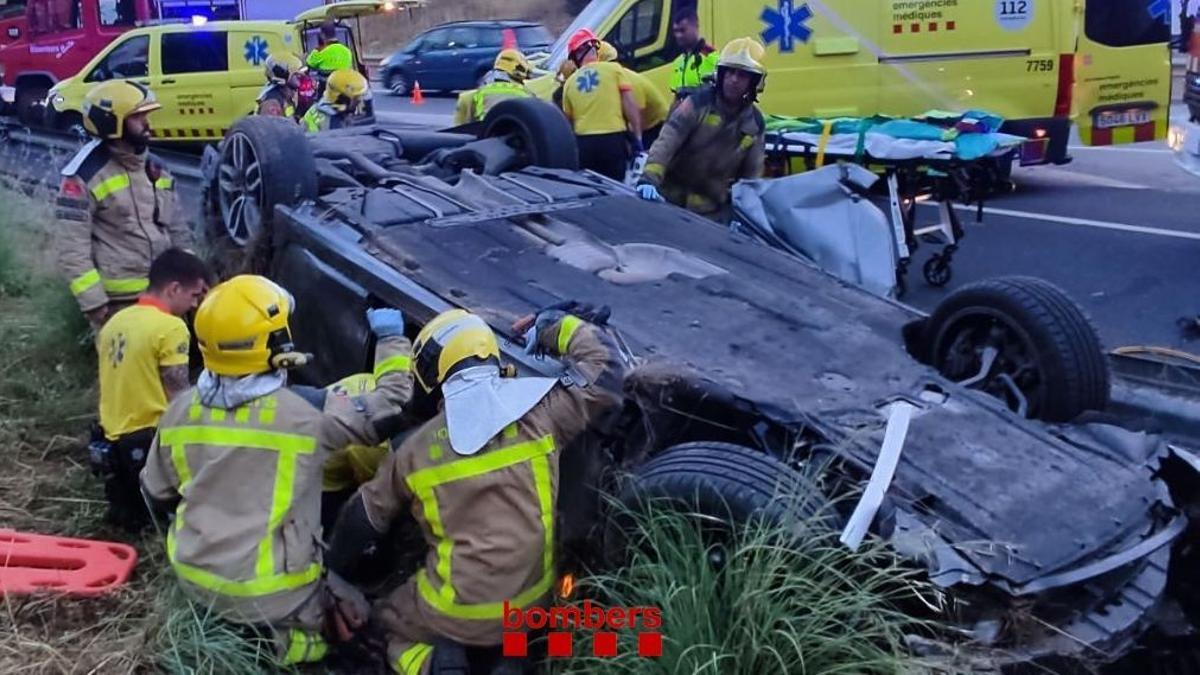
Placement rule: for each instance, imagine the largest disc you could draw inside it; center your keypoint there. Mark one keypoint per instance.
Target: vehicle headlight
(57, 100)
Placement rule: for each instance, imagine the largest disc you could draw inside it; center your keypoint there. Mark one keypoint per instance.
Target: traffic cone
(417, 97)
(509, 39)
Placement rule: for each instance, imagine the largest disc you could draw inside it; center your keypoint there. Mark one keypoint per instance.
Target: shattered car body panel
(1014, 514)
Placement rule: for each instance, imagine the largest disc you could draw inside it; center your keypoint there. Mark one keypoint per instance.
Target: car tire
(1047, 346)
(28, 104)
(264, 162)
(538, 128)
(397, 83)
(725, 481)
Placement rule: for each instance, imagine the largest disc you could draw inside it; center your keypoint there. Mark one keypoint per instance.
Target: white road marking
(1082, 222)
(1118, 148)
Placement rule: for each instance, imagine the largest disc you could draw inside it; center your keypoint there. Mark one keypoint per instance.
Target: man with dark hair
(143, 353)
(330, 55)
(698, 62)
(116, 203)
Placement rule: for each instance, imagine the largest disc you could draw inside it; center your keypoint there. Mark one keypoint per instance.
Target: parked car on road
(455, 56)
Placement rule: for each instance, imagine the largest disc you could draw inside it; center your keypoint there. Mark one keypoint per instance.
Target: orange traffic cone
(417, 97)
(509, 39)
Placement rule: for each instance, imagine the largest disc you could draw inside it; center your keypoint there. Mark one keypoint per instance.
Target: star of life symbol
(256, 50)
(116, 349)
(588, 81)
(786, 25)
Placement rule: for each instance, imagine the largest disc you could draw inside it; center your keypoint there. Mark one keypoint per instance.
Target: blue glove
(649, 193)
(386, 322)
(544, 320)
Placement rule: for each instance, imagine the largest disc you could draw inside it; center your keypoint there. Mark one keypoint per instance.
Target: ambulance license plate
(1122, 118)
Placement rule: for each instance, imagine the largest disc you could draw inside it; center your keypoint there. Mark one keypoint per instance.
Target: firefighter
(344, 93)
(481, 478)
(143, 365)
(238, 459)
(598, 99)
(116, 204)
(696, 66)
(278, 98)
(330, 55)
(713, 138)
(506, 80)
(652, 102)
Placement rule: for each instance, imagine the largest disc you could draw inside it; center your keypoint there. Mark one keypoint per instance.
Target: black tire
(398, 84)
(71, 122)
(277, 168)
(541, 131)
(726, 481)
(28, 104)
(1049, 333)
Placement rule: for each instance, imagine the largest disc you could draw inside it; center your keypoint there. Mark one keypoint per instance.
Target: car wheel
(29, 104)
(723, 483)
(264, 161)
(537, 129)
(398, 84)
(72, 123)
(1024, 341)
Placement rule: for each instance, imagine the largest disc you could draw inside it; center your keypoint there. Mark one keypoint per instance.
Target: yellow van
(1040, 64)
(205, 75)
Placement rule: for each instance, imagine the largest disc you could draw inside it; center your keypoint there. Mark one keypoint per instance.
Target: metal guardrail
(30, 159)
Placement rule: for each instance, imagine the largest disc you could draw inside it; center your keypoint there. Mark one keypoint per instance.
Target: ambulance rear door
(1123, 71)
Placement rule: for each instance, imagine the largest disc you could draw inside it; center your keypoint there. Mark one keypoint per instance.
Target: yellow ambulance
(1040, 64)
(206, 75)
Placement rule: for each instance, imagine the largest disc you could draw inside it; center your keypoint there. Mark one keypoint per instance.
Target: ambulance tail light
(1066, 85)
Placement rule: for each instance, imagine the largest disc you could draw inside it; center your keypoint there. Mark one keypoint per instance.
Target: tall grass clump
(768, 598)
(191, 640)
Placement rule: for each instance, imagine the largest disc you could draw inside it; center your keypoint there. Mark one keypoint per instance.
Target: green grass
(765, 601)
(47, 402)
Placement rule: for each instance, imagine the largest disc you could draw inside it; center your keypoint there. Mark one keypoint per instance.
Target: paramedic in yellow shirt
(652, 101)
(599, 101)
(143, 352)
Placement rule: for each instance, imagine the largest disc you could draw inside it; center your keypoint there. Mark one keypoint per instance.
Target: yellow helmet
(607, 52)
(108, 104)
(745, 54)
(282, 66)
(242, 326)
(514, 63)
(453, 340)
(344, 87)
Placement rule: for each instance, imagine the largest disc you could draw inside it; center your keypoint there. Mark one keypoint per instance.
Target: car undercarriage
(1051, 539)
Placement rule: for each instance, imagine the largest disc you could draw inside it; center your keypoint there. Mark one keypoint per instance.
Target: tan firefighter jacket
(246, 530)
(115, 215)
(703, 150)
(488, 518)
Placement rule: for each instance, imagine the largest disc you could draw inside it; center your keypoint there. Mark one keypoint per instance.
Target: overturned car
(756, 368)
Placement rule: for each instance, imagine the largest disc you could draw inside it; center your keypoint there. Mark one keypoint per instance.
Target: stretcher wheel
(937, 271)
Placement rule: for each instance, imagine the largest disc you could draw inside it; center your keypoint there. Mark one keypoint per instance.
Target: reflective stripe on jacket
(492, 93)
(488, 518)
(691, 69)
(247, 529)
(703, 149)
(115, 213)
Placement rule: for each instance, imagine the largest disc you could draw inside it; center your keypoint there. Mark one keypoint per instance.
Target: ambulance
(206, 75)
(1041, 64)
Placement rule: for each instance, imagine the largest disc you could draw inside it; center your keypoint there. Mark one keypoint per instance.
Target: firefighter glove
(386, 322)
